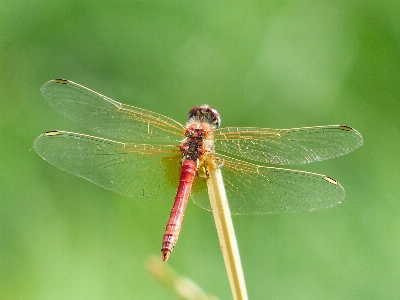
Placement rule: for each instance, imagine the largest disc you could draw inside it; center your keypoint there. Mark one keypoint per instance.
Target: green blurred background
(269, 64)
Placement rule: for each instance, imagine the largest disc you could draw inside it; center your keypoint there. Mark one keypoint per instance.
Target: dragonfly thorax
(198, 141)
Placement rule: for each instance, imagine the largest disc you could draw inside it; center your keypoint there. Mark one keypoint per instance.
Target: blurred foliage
(181, 286)
(270, 64)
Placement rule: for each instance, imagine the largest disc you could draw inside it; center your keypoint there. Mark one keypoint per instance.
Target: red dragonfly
(153, 156)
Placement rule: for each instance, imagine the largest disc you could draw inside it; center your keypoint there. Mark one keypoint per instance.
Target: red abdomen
(189, 169)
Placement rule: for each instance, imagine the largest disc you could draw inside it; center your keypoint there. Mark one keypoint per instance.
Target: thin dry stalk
(226, 234)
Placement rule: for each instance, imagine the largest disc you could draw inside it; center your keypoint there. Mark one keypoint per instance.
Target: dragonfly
(147, 155)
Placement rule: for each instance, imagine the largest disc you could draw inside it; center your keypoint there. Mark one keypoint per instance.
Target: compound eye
(216, 117)
(205, 113)
(193, 112)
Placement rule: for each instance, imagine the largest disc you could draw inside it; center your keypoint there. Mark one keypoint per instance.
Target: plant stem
(226, 234)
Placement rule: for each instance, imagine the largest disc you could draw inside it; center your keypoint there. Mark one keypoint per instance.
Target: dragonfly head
(204, 114)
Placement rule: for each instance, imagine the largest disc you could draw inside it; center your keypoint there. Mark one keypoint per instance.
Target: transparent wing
(143, 171)
(288, 146)
(108, 117)
(260, 190)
